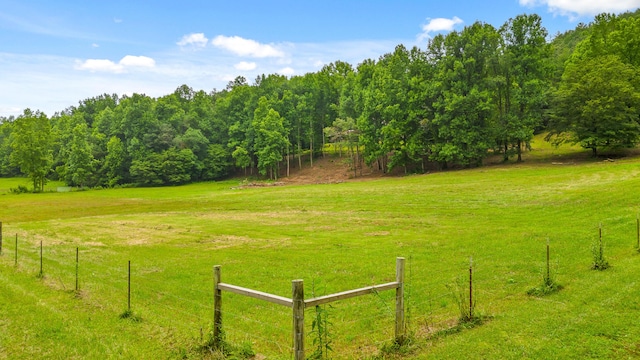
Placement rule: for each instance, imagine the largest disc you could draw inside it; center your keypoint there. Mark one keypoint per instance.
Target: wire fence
(359, 326)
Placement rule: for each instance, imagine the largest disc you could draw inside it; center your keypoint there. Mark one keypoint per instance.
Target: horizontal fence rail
(320, 300)
(351, 293)
(280, 300)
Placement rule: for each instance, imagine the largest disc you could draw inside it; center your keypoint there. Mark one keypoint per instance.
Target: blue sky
(54, 54)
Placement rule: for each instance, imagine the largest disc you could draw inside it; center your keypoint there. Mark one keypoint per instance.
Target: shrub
(21, 189)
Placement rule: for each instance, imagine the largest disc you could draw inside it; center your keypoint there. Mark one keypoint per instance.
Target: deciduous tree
(32, 145)
(598, 104)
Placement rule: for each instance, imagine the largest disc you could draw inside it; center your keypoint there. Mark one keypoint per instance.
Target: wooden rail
(256, 294)
(349, 294)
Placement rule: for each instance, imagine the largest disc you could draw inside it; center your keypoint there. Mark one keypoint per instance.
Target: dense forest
(470, 93)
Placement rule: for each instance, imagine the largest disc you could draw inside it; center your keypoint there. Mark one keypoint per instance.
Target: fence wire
(358, 326)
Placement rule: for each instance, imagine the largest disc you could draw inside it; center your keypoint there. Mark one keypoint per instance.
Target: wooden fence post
(298, 319)
(217, 308)
(400, 328)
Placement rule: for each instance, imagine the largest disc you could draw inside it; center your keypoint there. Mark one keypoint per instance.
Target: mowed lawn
(335, 237)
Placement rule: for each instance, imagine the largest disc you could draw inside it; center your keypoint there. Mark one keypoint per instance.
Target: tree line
(468, 94)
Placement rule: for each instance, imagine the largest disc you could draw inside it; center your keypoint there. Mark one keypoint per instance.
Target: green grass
(12, 183)
(340, 236)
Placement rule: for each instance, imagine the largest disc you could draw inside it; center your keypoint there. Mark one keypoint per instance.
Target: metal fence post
(400, 327)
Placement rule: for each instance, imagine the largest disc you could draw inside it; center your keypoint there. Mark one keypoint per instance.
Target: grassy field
(7, 184)
(336, 237)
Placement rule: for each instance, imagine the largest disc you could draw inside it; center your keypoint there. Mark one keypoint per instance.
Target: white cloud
(53, 83)
(574, 8)
(137, 61)
(104, 65)
(247, 66)
(99, 65)
(195, 39)
(94, 45)
(117, 20)
(439, 24)
(246, 47)
(286, 71)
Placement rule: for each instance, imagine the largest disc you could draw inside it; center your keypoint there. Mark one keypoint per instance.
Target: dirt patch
(93, 243)
(138, 241)
(378, 233)
(246, 184)
(327, 170)
(227, 241)
(426, 330)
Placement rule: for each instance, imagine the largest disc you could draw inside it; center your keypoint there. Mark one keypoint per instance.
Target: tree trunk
(299, 149)
(358, 158)
(385, 163)
(311, 143)
(519, 150)
(323, 143)
(506, 151)
(311, 152)
(352, 154)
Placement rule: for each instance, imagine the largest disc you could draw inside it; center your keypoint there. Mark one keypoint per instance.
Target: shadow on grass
(412, 343)
(129, 315)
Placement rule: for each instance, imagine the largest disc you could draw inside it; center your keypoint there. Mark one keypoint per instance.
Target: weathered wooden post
(217, 308)
(298, 319)
(400, 328)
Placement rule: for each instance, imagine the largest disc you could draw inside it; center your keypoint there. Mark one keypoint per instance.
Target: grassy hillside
(336, 237)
